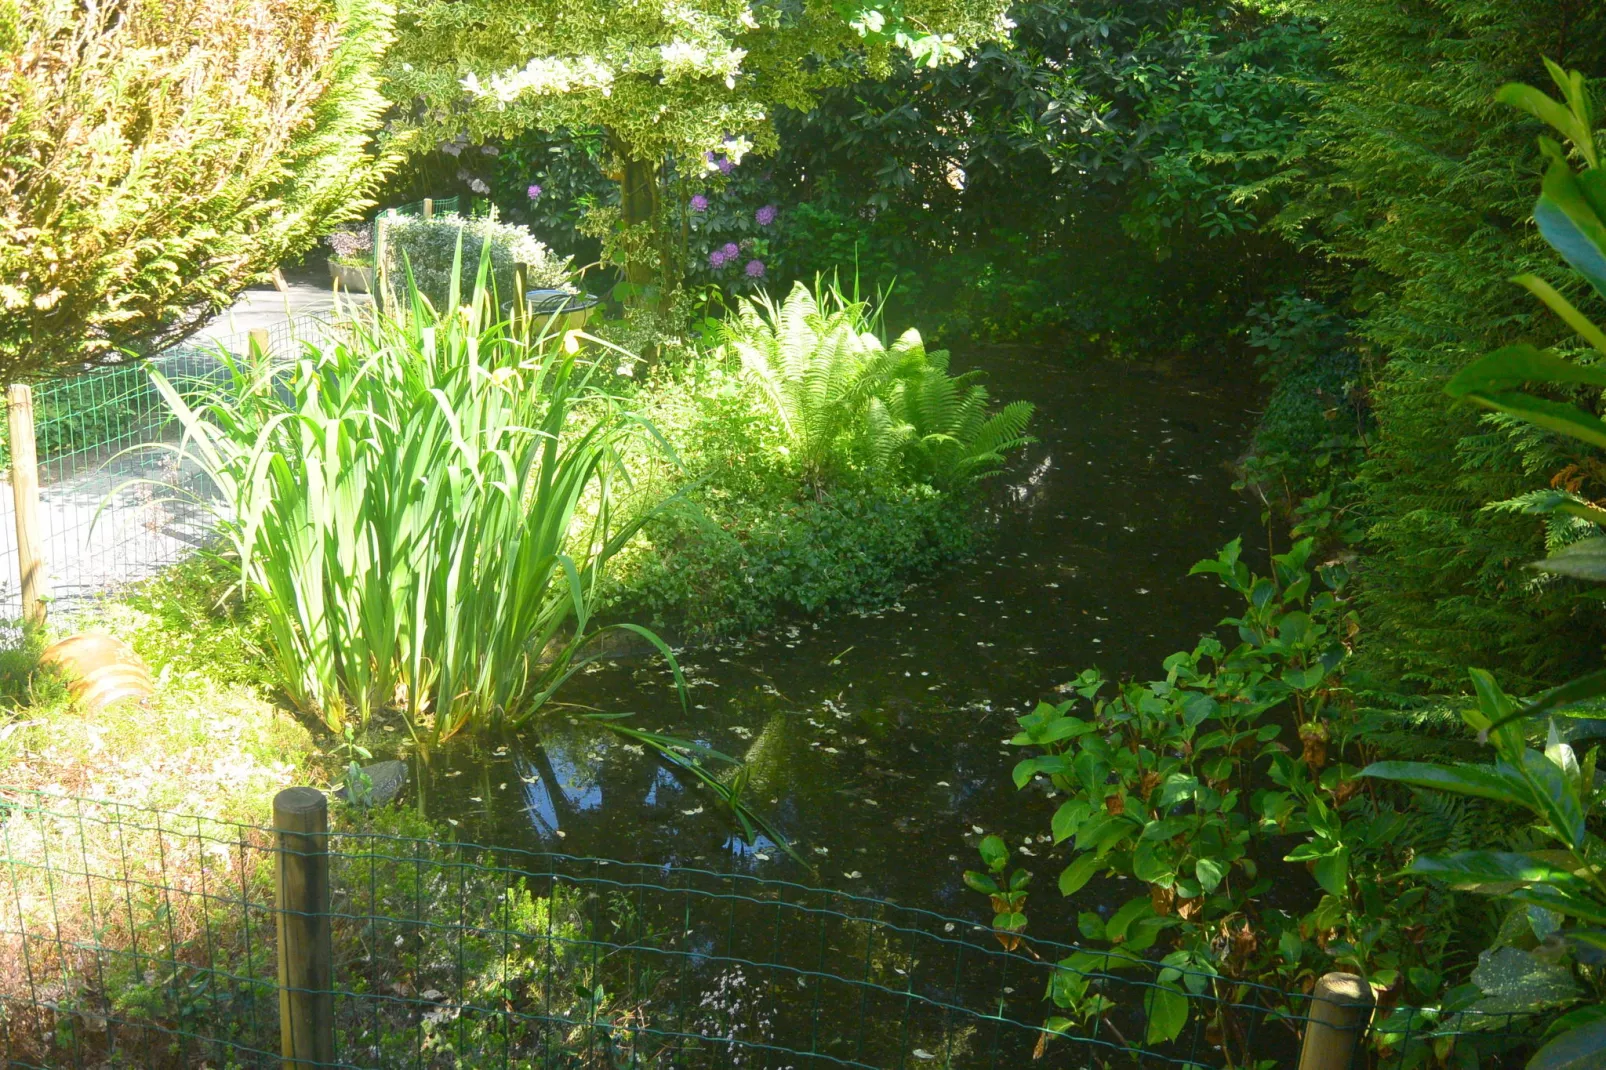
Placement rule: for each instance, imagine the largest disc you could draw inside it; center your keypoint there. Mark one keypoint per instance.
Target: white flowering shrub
(428, 246)
(352, 245)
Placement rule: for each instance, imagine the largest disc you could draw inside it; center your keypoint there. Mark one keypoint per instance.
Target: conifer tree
(156, 157)
(1425, 185)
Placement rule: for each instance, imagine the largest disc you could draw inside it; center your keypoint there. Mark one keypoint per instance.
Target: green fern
(818, 363)
(845, 399)
(947, 436)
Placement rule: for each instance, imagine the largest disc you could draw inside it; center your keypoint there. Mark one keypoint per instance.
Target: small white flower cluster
(350, 243)
(543, 76)
(684, 61)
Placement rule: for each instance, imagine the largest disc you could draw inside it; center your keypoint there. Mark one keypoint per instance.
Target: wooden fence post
(429, 208)
(25, 499)
(259, 341)
(1340, 1009)
(301, 900)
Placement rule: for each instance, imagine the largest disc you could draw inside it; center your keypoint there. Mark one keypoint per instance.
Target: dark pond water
(875, 742)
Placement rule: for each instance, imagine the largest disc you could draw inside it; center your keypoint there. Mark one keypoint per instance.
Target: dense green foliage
(1099, 174)
(819, 468)
(675, 86)
(155, 161)
(1421, 181)
(844, 398)
(426, 253)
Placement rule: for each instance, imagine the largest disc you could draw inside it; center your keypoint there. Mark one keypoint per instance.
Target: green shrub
(747, 538)
(817, 362)
(946, 436)
(158, 159)
(847, 402)
(429, 247)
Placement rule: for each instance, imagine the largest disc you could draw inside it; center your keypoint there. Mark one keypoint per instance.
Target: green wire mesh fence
(114, 507)
(138, 937)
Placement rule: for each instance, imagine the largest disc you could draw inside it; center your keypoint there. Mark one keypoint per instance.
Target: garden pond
(876, 742)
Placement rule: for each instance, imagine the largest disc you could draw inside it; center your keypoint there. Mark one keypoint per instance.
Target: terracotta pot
(100, 670)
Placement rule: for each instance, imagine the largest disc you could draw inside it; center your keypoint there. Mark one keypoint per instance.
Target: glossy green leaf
(1555, 416)
(1068, 818)
(1583, 1048)
(1130, 911)
(1569, 223)
(1586, 328)
(1470, 869)
(1518, 981)
(1556, 796)
(1167, 1010)
(1332, 872)
(1152, 864)
(1547, 110)
(1210, 872)
(1078, 873)
(1481, 781)
(1514, 365)
(994, 853)
(1585, 687)
(980, 882)
(1582, 560)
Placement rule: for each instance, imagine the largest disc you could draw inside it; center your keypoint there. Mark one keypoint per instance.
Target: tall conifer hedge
(1425, 183)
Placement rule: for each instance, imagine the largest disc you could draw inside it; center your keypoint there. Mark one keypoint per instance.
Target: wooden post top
(301, 810)
(1345, 990)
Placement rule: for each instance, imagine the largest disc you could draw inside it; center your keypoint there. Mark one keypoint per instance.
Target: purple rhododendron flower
(709, 155)
(731, 250)
(699, 203)
(754, 269)
(725, 165)
(534, 191)
(717, 258)
(765, 215)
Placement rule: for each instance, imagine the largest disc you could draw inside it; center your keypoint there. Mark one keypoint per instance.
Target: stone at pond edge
(388, 779)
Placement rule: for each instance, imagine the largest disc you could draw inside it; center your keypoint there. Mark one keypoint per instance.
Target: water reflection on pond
(876, 742)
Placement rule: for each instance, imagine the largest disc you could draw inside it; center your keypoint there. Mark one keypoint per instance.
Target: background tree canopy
(667, 79)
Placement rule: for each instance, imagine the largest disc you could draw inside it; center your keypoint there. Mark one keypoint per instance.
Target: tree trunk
(638, 206)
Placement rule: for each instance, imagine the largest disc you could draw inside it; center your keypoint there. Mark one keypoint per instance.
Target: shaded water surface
(876, 742)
